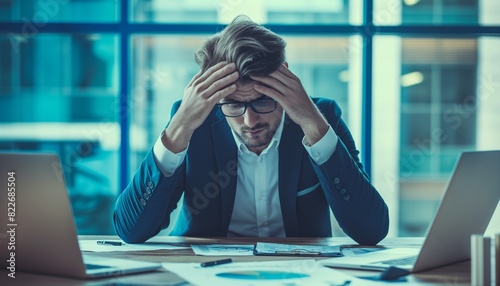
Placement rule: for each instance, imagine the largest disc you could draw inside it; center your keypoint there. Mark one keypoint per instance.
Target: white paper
(275, 248)
(223, 249)
(91, 245)
(355, 251)
(255, 273)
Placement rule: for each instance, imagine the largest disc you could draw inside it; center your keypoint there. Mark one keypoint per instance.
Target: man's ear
(285, 64)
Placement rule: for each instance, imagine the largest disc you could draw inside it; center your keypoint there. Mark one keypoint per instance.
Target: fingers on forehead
(218, 66)
(213, 72)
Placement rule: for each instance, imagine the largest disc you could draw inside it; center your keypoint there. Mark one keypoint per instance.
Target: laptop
(38, 232)
(470, 199)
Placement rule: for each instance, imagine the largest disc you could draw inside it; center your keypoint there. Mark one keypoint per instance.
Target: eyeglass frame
(246, 104)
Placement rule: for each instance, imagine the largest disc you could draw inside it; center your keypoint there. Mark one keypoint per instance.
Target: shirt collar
(275, 141)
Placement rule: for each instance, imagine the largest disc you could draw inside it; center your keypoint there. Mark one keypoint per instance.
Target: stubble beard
(260, 140)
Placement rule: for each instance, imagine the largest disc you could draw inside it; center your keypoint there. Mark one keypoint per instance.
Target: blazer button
(336, 181)
(145, 196)
(150, 184)
(143, 202)
(346, 198)
(343, 192)
(149, 190)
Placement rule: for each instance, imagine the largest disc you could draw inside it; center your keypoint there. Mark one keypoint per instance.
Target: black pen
(216, 262)
(107, 242)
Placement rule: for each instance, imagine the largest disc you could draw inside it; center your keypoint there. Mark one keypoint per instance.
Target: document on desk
(93, 246)
(269, 273)
(223, 249)
(264, 248)
(355, 251)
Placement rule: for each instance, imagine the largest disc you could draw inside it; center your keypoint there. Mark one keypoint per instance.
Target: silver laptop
(40, 234)
(470, 199)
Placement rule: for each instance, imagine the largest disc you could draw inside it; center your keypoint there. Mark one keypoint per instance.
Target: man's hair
(253, 48)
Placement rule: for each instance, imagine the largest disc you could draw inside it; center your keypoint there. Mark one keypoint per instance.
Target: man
(252, 154)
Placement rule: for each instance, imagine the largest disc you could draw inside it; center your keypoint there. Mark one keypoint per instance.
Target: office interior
(94, 81)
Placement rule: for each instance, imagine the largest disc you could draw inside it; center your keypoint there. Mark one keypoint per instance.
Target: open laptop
(42, 233)
(470, 199)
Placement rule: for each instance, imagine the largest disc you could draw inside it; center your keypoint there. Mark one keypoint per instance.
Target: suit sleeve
(144, 207)
(358, 207)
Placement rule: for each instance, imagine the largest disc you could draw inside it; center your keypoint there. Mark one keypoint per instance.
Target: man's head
(256, 51)
(253, 48)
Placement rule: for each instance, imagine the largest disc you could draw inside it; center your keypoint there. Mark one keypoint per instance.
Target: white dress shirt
(257, 209)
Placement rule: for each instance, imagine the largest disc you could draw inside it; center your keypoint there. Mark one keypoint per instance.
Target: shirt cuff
(322, 150)
(166, 160)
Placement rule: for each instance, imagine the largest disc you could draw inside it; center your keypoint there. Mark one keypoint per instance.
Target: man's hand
(285, 87)
(200, 96)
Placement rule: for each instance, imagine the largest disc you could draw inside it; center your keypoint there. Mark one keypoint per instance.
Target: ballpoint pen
(216, 262)
(107, 242)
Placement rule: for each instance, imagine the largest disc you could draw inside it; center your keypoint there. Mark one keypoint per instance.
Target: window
(59, 94)
(261, 11)
(437, 98)
(36, 13)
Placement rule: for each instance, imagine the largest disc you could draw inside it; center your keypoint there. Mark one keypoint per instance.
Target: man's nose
(250, 117)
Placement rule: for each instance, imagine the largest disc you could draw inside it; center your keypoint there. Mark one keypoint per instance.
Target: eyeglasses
(259, 105)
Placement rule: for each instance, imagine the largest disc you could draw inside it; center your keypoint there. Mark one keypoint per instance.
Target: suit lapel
(227, 164)
(290, 155)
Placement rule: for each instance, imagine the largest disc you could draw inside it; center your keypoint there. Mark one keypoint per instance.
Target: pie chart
(261, 275)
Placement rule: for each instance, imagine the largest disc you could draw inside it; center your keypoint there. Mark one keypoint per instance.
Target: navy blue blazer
(207, 178)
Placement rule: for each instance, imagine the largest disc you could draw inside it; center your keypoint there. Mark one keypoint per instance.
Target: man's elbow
(378, 235)
(126, 234)
(372, 232)
(378, 232)
(132, 239)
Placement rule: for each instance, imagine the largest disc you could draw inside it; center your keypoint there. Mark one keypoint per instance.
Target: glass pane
(37, 12)
(261, 11)
(436, 12)
(59, 94)
(163, 65)
(432, 99)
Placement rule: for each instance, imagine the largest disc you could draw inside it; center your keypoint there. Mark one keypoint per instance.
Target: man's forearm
(357, 206)
(145, 205)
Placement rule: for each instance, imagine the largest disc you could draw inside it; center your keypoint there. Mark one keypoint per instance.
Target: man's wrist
(314, 132)
(166, 160)
(163, 138)
(176, 137)
(322, 150)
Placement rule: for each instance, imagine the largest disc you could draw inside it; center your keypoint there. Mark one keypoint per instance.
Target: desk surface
(456, 274)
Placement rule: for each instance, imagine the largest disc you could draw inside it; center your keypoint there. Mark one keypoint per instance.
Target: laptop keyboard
(401, 261)
(95, 266)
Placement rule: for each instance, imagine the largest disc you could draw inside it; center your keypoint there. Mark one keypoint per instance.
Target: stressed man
(252, 154)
